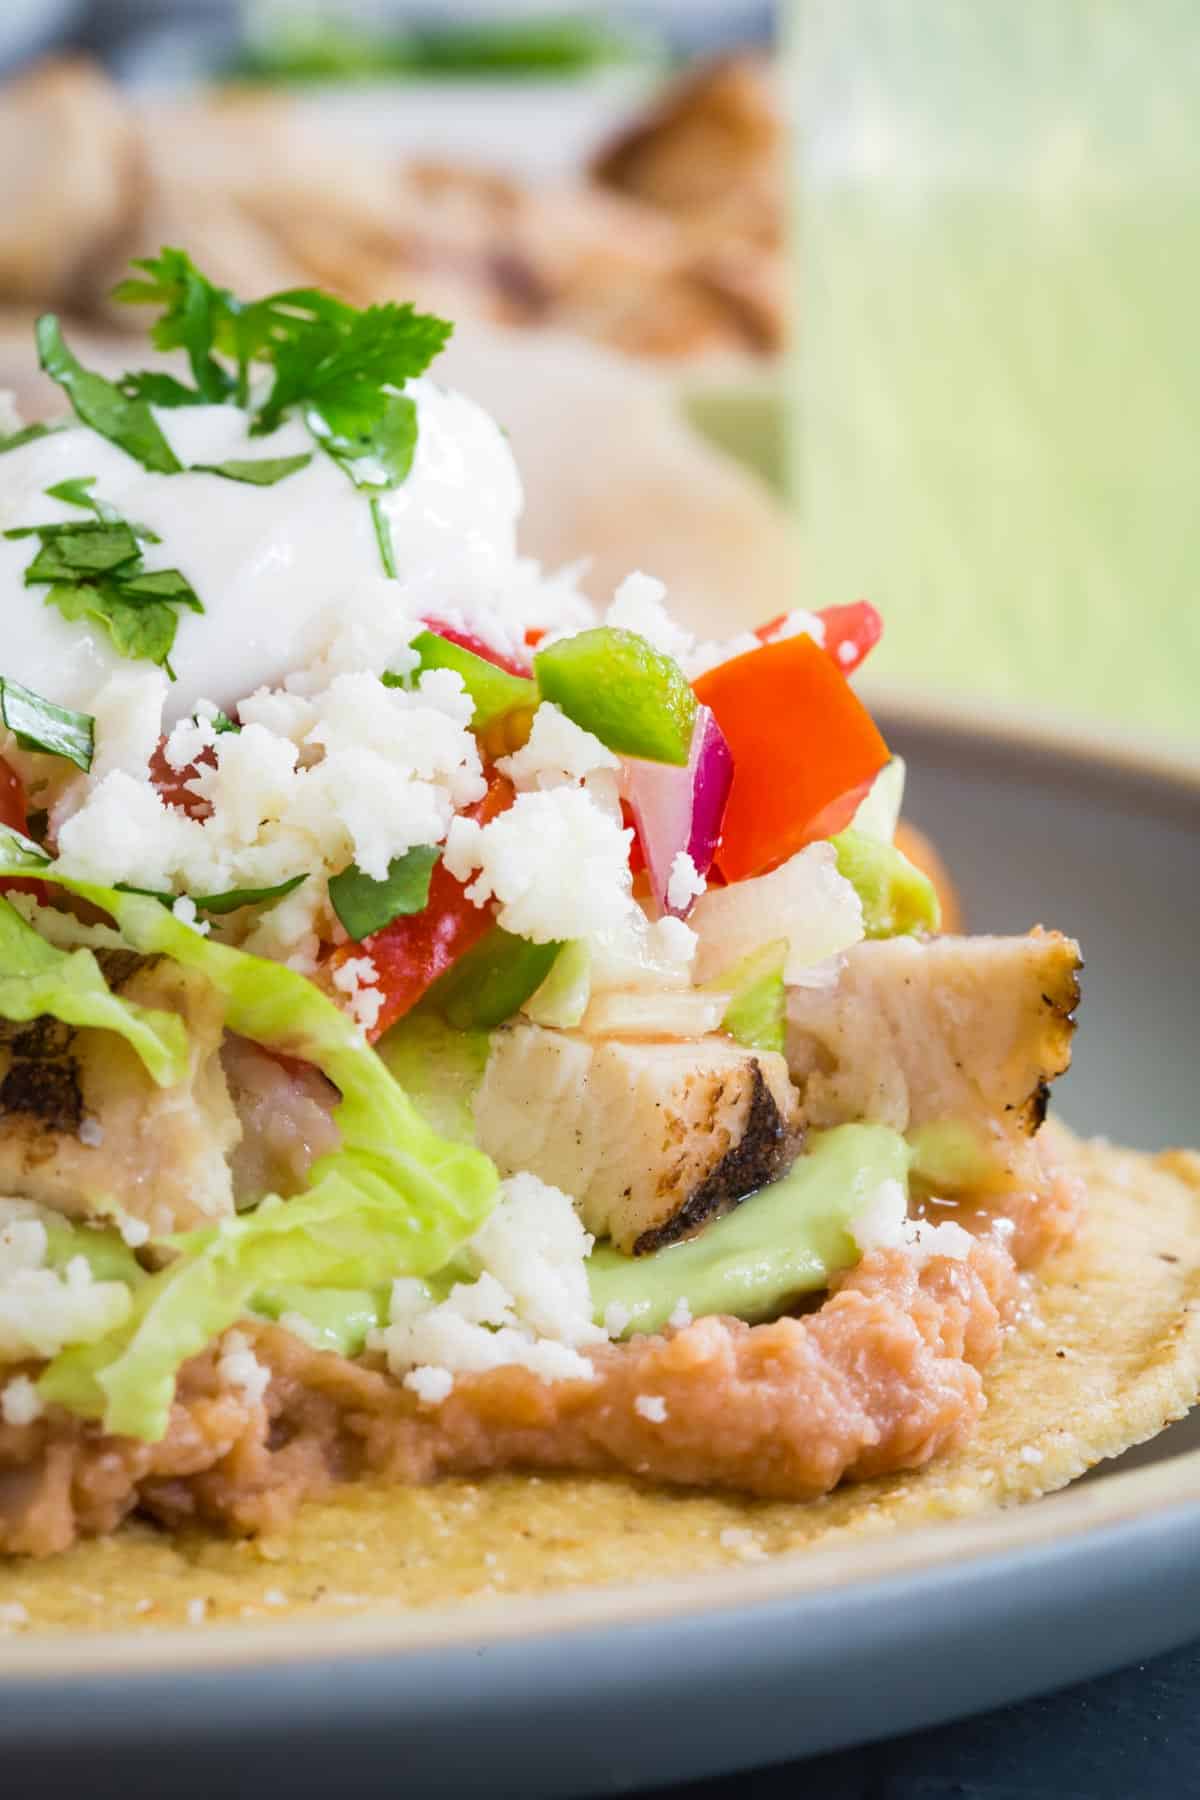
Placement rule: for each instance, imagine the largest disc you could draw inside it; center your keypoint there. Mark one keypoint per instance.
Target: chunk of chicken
(960, 1030)
(84, 1129)
(73, 177)
(653, 1140)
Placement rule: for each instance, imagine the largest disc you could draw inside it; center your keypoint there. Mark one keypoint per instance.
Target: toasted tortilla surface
(1107, 1354)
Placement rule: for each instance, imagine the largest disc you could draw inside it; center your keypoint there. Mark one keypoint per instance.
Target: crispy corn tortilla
(1108, 1354)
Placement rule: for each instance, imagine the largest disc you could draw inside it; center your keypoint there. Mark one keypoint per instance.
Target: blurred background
(787, 305)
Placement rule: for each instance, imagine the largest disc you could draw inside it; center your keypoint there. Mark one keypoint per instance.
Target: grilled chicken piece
(83, 1128)
(653, 1140)
(73, 177)
(958, 1030)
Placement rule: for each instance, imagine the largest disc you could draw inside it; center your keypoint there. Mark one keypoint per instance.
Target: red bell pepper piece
(850, 632)
(804, 749)
(411, 952)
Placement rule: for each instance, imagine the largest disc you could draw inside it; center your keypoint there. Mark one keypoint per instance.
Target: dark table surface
(1130, 1736)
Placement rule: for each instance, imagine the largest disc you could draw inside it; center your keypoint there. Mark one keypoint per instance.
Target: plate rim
(1074, 1516)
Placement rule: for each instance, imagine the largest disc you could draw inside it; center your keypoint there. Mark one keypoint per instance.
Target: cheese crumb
(557, 861)
(685, 884)
(20, 1402)
(184, 909)
(883, 1224)
(430, 1385)
(356, 978)
(196, 1611)
(1031, 1454)
(529, 1304)
(91, 1133)
(135, 1232)
(559, 753)
(681, 1314)
(652, 1407)
(616, 1318)
(638, 605)
(240, 1369)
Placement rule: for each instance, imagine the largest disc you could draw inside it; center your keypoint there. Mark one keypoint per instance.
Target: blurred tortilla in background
(598, 318)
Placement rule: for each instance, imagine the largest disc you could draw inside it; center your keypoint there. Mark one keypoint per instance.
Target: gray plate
(612, 1689)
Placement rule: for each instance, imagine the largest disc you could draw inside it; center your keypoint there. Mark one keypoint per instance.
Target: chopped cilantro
(78, 492)
(221, 723)
(263, 472)
(365, 905)
(98, 402)
(222, 903)
(39, 724)
(340, 367)
(94, 572)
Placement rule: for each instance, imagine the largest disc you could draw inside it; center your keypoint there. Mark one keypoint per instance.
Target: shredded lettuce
(757, 1012)
(336, 1318)
(36, 979)
(395, 1199)
(440, 1068)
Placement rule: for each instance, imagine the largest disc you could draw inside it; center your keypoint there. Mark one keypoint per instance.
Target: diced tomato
(534, 636)
(804, 748)
(411, 952)
(850, 632)
(172, 783)
(637, 856)
(14, 814)
(467, 640)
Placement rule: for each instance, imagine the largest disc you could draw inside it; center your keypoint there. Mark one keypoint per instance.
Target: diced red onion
(678, 808)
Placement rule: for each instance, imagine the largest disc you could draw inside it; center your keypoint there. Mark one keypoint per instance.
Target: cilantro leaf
(136, 631)
(71, 552)
(195, 314)
(264, 471)
(39, 724)
(158, 389)
(28, 434)
(365, 905)
(94, 572)
(222, 903)
(78, 492)
(345, 363)
(160, 585)
(98, 402)
(221, 723)
(373, 446)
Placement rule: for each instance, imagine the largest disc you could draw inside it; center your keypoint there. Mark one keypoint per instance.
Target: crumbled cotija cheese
(652, 1407)
(41, 1310)
(638, 605)
(529, 1304)
(357, 978)
(20, 1402)
(557, 754)
(239, 1368)
(884, 1224)
(557, 862)
(685, 884)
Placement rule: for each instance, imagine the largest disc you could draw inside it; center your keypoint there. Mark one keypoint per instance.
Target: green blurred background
(996, 394)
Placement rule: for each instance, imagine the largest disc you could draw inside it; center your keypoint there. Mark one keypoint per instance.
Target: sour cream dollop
(267, 562)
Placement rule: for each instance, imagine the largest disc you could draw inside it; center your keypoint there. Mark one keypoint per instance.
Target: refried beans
(884, 1376)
